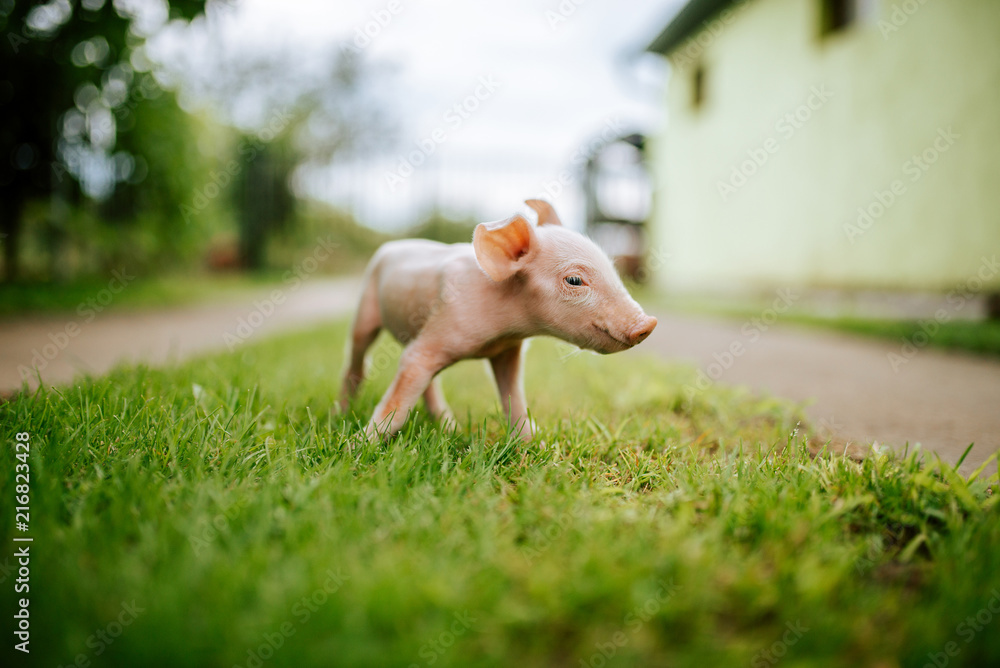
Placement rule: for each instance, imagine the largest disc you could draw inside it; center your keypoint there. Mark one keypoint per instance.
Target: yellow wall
(892, 95)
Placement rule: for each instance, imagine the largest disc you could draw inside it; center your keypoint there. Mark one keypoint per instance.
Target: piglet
(449, 302)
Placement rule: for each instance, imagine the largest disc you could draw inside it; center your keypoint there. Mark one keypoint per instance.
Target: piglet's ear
(546, 214)
(503, 247)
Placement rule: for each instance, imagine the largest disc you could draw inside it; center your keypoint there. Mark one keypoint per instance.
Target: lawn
(211, 515)
(129, 291)
(975, 336)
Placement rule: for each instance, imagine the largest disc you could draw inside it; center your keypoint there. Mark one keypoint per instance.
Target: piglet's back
(408, 275)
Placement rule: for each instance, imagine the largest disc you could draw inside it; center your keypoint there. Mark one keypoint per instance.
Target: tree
(166, 169)
(264, 200)
(289, 117)
(65, 75)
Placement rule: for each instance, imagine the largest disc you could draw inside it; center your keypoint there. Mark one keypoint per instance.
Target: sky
(490, 103)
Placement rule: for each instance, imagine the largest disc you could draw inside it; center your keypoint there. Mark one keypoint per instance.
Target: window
(698, 86)
(838, 15)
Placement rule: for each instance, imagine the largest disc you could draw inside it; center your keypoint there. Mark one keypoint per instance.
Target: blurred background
(225, 135)
(720, 148)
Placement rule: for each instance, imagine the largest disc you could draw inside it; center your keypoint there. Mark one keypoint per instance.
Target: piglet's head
(570, 287)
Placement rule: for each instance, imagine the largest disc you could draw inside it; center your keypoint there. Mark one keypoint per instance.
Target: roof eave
(687, 22)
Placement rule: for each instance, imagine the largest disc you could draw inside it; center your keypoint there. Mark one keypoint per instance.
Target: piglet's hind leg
(437, 406)
(367, 325)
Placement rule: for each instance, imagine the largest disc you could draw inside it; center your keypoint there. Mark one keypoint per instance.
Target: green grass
(642, 530)
(981, 337)
(18, 299)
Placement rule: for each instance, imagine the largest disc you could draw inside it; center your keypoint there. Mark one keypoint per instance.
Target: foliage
(67, 74)
(439, 227)
(174, 171)
(641, 530)
(320, 226)
(107, 169)
(288, 117)
(264, 201)
(331, 237)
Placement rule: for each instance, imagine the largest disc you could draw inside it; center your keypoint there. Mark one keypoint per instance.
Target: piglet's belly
(405, 312)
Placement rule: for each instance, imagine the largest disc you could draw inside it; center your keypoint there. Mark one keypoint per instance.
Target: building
(852, 144)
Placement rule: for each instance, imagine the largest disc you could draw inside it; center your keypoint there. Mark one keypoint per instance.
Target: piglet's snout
(643, 328)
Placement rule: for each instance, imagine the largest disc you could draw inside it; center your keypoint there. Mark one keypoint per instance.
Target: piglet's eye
(575, 281)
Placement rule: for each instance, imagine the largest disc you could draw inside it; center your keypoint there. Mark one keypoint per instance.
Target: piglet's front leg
(418, 365)
(510, 385)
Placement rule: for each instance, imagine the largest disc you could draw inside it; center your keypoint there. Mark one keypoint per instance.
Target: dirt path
(943, 401)
(62, 347)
